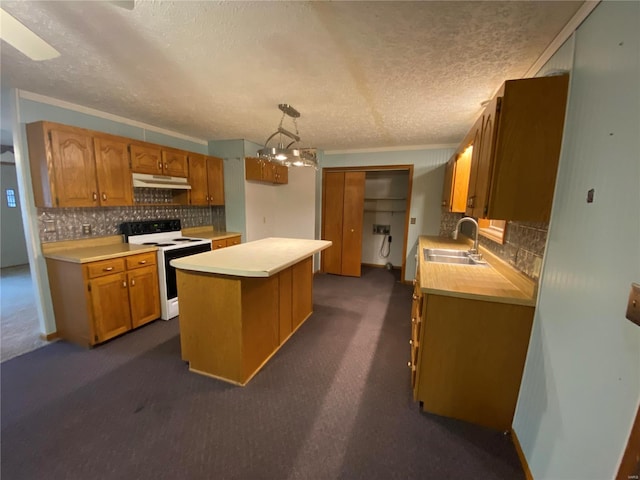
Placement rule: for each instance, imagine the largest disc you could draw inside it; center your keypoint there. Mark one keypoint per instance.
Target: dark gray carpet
(333, 403)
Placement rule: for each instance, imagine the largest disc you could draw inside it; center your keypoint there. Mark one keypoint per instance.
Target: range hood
(160, 181)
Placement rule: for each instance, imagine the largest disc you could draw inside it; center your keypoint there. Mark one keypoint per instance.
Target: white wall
(581, 385)
(428, 176)
(12, 240)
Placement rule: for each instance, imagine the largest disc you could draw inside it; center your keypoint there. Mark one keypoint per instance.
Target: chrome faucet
(454, 234)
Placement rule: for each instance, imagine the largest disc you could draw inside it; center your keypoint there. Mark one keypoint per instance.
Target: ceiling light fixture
(21, 38)
(291, 155)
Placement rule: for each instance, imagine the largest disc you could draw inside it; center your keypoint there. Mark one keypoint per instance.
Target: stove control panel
(145, 227)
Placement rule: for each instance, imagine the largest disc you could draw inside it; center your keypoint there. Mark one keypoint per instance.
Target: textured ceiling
(362, 74)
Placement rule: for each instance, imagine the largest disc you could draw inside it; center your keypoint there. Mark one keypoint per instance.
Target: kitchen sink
(459, 257)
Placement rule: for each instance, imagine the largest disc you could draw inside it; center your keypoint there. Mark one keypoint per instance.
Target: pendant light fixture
(289, 155)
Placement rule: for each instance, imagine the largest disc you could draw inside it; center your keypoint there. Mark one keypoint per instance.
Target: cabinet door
(253, 168)
(485, 159)
(199, 193)
(352, 223)
(110, 306)
(281, 174)
(268, 172)
(332, 216)
(174, 163)
(285, 305)
(447, 187)
(74, 166)
(146, 159)
(215, 180)
(233, 241)
(476, 136)
(144, 296)
(115, 187)
(302, 291)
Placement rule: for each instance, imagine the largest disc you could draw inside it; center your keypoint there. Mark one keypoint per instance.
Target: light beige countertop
(261, 258)
(497, 281)
(208, 232)
(84, 254)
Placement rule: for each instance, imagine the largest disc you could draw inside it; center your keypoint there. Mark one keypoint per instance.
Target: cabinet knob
(166, 166)
(444, 203)
(107, 269)
(410, 342)
(142, 262)
(409, 364)
(414, 296)
(413, 282)
(95, 196)
(159, 165)
(104, 197)
(133, 282)
(124, 284)
(352, 230)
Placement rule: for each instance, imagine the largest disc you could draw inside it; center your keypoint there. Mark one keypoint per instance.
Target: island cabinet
(156, 160)
(74, 167)
(232, 322)
(264, 171)
(206, 177)
(516, 147)
(98, 300)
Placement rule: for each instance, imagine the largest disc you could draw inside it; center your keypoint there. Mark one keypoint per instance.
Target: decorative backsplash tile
(56, 224)
(523, 247)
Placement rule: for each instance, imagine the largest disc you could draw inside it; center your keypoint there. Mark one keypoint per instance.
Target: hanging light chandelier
(289, 155)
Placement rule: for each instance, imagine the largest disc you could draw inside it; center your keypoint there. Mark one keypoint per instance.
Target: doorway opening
(365, 213)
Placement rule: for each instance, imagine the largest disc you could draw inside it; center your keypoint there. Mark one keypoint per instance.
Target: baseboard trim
(49, 336)
(523, 459)
(374, 265)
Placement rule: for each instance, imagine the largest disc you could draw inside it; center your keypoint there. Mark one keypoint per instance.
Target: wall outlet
(86, 229)
(49, 226)
(413, 221)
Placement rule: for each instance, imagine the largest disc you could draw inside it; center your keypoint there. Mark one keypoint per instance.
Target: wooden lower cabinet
(470, 357)
(96, 301)
(231, 326)
(218, 243)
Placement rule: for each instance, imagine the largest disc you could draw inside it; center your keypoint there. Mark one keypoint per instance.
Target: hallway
(19, 329)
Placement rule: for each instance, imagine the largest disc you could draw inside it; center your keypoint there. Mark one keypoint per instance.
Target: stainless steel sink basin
(459, 257)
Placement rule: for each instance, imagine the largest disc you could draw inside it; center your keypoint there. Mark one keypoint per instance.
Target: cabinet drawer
(141, 260)
(219, 243)
(105, 267)
(233, 241)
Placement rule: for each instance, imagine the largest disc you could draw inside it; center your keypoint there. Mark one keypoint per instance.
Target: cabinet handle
(104, 197)
(124, 284)
(133, 282)
(142, 262)
(159, 165)
(413, 282)
(107, 269)
(414, 296)
(444, 203)
(166, 166)
(410, 342)
(95, 196)
(352, 230)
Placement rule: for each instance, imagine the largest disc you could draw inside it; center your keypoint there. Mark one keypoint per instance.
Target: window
(493, 229)
(11, 198)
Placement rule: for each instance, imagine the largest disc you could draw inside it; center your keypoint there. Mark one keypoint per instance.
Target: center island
(240, 304)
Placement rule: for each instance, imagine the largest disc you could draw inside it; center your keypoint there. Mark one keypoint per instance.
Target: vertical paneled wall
(581, 384)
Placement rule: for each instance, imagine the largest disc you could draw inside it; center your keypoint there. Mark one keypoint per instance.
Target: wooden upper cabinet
(174, 162)
(115, 187)
(199, 192)
(447, 187)
(263, 171)
(74, 168)
(215, 180)
(513, 175)
(206, 177)
(146, 158)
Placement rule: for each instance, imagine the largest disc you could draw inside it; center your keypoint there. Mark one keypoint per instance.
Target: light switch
(633, 306)
(413, 220)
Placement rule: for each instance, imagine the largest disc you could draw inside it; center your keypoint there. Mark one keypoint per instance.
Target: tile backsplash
(56, 224)
(523, 247)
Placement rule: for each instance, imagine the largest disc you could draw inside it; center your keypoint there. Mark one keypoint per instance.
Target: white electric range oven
(167, 236)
